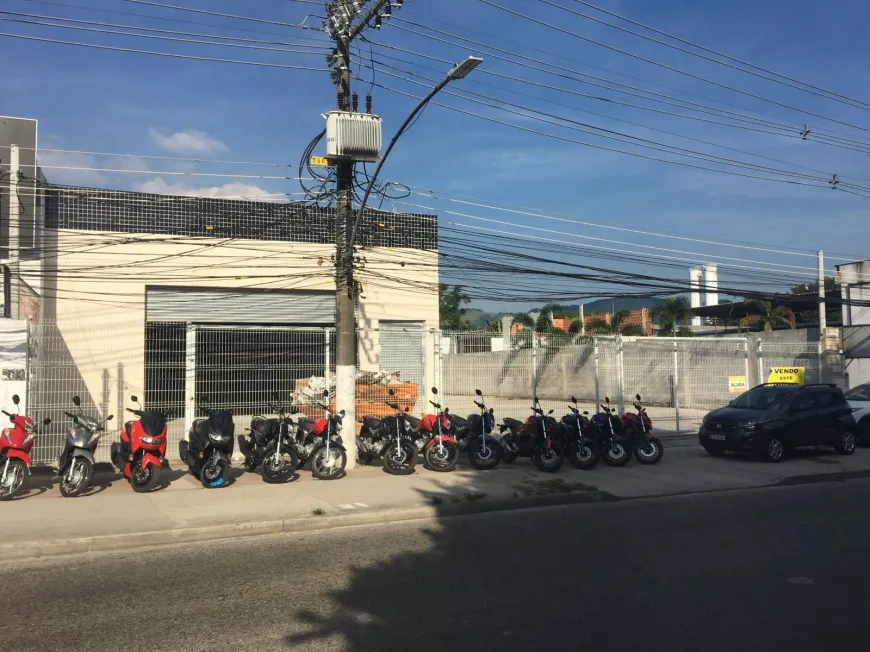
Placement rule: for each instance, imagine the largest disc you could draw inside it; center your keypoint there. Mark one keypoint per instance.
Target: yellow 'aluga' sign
(787, 375)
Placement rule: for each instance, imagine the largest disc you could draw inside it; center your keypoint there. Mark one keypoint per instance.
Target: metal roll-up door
(242, 306)
(401, 344)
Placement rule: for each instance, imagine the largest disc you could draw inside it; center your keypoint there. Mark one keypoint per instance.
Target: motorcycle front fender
(444, 438)
(71, 453)
(15, 454)
(148, 458)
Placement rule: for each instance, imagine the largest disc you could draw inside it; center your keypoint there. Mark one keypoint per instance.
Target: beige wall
(97, 295)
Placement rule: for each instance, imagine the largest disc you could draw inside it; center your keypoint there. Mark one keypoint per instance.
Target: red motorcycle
(647, 449)
(440, 451)
(140, 453)
(15, 445)
(540, 438)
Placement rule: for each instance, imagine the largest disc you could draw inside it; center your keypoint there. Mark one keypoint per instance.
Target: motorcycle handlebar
(72, 416)
(479, 404)
(437, 406)
(11, 416)
(395, 406)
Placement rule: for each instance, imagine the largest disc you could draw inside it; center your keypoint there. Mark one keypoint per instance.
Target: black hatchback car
(769, 420)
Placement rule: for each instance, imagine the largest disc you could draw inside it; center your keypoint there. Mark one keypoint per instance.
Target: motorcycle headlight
(217, 437)
(338, 427)
(151, 440)
(29, 428)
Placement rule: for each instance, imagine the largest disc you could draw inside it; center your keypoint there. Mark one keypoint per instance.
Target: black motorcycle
(609, 434)
(209, 447)
(539, 438)
(75, 466)
(271, 446)
(320, 442)
(389, 438)
(484, 450)
(583, 450)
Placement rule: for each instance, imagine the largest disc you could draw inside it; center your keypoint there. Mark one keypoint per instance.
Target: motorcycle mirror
(110, 417)
(574, 400)
(637, 396)
(325, 392)
(134, 399)
(478, 392)
(585, 411)
(551, 412)
(77, 401)
(435, 390)
(491, 411)
(391, 392)
(446, 410)
(46, 421)
(16, 399)
(407, 409)
(342, 413)
(607, 400)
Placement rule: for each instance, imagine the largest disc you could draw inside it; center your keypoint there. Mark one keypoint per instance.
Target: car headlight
(151, 440)
(750, 425)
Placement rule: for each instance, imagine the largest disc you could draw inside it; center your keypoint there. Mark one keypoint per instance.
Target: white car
(859, 400)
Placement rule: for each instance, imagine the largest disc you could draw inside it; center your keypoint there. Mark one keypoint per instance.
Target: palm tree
(494, 326)
(670, 313)
(766, 315)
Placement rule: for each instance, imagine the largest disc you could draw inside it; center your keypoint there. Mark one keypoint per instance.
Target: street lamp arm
(377, 171)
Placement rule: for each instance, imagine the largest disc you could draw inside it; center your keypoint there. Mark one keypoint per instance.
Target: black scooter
(209, 447)
(271, 446)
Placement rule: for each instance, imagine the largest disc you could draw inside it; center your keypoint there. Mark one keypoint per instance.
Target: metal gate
(402, 349)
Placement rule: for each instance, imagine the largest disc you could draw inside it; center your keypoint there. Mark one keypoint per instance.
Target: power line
(222, 15)
(159, 54)
(810, 88)
(671, 68)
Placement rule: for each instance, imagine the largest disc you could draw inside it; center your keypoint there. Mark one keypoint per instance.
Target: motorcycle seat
(457, 421)
(413, 421)
(372, 422)
(513, 424)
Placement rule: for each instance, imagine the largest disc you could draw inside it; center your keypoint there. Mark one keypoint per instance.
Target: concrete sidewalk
(112, 516)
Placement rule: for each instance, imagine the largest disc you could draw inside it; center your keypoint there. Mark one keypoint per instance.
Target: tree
(575, 328)
(763, 314)
(684, 331)
(598, 326)
(670, 313)
(494, 326)
(618, 319)
(633, 330)
(811, 290)
(451, 300)
(544, 323)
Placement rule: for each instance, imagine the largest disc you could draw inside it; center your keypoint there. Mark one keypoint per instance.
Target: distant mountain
(480, 318)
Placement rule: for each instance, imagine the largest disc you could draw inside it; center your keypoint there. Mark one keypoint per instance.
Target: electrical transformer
(353, 136)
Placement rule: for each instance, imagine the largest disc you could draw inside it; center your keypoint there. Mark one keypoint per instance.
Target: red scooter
(139, 455)
(15, 445)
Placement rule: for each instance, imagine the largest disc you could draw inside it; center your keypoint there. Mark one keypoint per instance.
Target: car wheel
(774, 449)
(846, 443)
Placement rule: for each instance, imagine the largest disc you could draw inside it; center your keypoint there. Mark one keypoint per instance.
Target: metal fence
(176, 366)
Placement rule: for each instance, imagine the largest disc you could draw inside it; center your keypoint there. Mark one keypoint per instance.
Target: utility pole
(340, 15)
(345, 313)
(582, 320)
(14, 218)
(823, 318)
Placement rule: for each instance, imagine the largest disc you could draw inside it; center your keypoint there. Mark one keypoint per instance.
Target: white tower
(695, 277)
(711, 285)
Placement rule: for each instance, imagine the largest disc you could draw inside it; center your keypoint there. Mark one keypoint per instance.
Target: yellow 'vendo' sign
(736, 384)
(787, 375)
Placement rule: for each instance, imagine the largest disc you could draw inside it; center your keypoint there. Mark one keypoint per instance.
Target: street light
(459, 71)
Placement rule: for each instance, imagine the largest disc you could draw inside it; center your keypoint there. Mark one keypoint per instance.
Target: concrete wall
(98, 279)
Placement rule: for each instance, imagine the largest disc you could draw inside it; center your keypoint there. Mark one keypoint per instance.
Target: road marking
(352, 506)
(345, 506)
(363, 505)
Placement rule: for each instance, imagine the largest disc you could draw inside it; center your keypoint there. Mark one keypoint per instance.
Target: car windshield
(859, 393)
(764, 398)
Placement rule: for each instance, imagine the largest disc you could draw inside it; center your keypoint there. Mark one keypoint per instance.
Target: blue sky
(93, 100)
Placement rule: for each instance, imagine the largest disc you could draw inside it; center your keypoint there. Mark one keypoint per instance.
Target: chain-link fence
(176, 366)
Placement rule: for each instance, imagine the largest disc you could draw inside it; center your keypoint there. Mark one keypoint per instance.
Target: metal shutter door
(402, 350)
(229, 306)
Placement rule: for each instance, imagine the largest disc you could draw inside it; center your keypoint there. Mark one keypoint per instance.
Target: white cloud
(70, 168)
(159, 186)
(188, 141)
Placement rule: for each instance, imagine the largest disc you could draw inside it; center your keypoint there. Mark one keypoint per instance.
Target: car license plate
(718, 437)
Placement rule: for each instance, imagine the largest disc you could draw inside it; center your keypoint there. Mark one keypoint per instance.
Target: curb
(33, 550)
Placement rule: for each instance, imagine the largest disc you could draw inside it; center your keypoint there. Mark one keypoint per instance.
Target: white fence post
(819, 362)
(620, 367)
(326, 337)
(746, 361)
(676, 387)
(597, 374)
(189, 379)
(439, 361)
(759, 359)
(534, 365)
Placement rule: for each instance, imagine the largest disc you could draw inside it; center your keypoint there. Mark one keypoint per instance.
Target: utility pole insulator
(368, 103)
(355, 105)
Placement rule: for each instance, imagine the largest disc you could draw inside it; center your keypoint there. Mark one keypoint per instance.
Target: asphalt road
(781, 569)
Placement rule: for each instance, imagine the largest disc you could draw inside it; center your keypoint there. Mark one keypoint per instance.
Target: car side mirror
(16, 399)
(46, 421)
(77, 401)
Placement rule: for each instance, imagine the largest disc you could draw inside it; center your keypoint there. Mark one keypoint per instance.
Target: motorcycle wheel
(144, 480)
(251, 464)
(400, 459)
(331, 467)
(81, 471)
(615, 454)
(484, 461)
(279, 470)
(16, 475)
(214, 474)
(510, 455)
(649, 452)
(441, 457)
(549, 460)
(583, 457)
